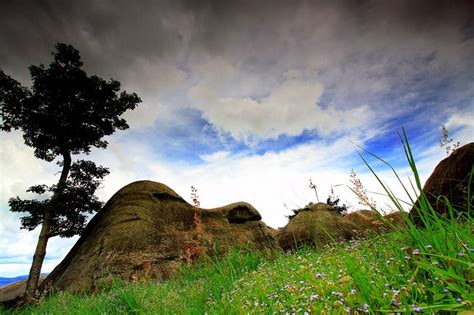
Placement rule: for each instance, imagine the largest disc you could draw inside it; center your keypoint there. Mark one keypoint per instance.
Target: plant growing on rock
(333, 201)
(193, 249)
(313, 186)
(65, 112)
(445, 141)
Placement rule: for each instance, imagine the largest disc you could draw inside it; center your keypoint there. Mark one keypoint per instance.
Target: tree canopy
(65, 110)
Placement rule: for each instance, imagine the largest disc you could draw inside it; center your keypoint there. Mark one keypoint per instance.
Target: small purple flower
(416, 309)
(461, 254)
(348, 309)
(445, 290)
(416, 251)
(459, 300)
(394, 303)
(314, 297)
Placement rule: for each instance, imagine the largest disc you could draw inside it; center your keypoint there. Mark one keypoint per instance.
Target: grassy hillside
(388, 273)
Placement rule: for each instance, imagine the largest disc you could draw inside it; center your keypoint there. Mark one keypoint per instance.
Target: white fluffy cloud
(290, 109)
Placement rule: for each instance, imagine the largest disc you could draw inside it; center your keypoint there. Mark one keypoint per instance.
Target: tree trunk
(40, 252)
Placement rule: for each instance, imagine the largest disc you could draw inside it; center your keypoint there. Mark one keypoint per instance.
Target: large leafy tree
(65, 112)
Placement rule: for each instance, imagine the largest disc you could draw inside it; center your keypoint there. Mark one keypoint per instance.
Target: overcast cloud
(248, 100)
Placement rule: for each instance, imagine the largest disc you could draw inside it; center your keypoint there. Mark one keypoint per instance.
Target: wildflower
(394, 303)
(407, 257)
(348, 309)
(314, 297)
(387, 262)
(341, 302)
(318, 275)
(353, 291)
(396, 292)
(429, 246)
(416, 309)
(445, 290)
(459, 300)
(461, 254)
(416, 251)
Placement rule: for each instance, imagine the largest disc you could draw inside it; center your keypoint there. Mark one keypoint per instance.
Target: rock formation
(450, 178)
(146, 230)
(315, 225)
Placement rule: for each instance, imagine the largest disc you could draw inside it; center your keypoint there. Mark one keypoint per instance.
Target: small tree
(65, 112)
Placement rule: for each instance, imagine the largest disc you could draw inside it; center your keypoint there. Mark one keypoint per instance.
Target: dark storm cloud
(359, 50)
(115, 32)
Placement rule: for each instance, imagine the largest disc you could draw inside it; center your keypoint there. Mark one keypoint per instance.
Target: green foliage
(334, 203)
(74, 203)
(331, 200)
(65, 110)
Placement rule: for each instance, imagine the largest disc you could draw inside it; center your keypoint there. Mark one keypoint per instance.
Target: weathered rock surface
(450, 178)
(144, 231)
(368, 221)
(313, 225)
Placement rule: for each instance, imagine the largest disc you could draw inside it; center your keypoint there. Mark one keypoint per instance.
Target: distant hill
(5, 281)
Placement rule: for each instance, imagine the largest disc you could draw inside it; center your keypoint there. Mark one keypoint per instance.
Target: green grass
(409, 270)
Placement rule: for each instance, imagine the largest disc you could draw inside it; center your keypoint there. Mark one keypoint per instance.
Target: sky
(248, 100)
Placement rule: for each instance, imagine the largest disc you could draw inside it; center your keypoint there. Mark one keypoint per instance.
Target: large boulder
(450, 178)
(146, 230)
(315, 225)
